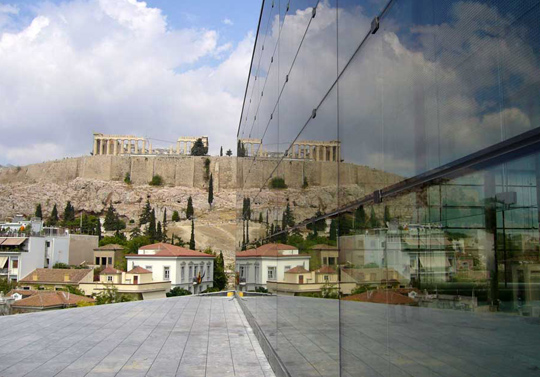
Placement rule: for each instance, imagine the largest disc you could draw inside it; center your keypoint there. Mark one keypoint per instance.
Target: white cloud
(227, 21)
(109, 66)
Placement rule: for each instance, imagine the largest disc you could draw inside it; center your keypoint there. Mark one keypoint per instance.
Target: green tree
(159, 233)
(98, 229)
(146, 213)
(135, 232)
(229, 153)
(189, 209)
(220, 278)
(206, 169)
(110, 295)
(7, 285)
(387, 218)
(151, 229)
(175, 216)
(164, 225)
(333, 231)
(111, 219)
(278, 183)
(373, 221)
(39, 212)
(69, 213)
(192, 239)
(53, 219)
(240, 149)
(198, 148)
(221, 151)
(360, 218)
(288, 217)
(211, 190)
(127, 178)
(260, 218)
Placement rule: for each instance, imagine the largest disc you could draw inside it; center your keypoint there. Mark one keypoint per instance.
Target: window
(15, 263)
(325, 277)
(208, 277)
(256, 274)
(97, 261)
(331, 261)
(149, 268)
(190, 272)
(242, 272)
(271, 273)
(287, 268)
(48, 243)
(166, 273)
(182, 273)
(109, 260)
(109, 278)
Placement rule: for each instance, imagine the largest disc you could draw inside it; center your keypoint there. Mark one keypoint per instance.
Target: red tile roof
(139, 270)
(168, 250)
(297, 270)
(326, 270)
(382, 297)
(56, 275)
(48, 299)
(269, 250)
(22, 292)
(111, 271)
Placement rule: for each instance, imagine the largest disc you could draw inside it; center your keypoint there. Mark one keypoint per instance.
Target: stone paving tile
(181, 336)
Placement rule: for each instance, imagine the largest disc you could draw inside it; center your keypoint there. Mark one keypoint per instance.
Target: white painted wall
(264, 262)
(157, 266)
(58, 249)
(33, 258)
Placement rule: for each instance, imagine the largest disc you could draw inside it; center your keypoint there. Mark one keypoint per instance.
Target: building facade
(268, 263)
(175, 264)
(434, 106)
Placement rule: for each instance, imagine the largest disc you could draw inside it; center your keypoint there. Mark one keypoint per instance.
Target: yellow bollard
(230, 294)
(241, 294)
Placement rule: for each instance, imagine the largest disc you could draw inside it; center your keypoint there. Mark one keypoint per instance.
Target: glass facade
(389, 165)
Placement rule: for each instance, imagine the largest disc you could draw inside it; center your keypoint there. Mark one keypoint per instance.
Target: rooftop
(167, 250)
(111, 271)
(270, 250)
(182, 336)
(297, 270)
(139, 270)
(56, 275)
(110, 247)
(50, 299)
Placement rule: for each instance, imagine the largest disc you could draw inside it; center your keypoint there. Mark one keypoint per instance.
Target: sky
(159, 69)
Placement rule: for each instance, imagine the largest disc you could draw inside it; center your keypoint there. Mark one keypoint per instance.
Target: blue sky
(159, 69)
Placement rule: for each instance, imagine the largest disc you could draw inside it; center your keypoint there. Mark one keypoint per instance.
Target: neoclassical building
(116, 145)
(304, 150)
(175, 264)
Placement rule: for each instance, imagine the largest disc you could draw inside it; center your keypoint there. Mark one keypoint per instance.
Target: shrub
(261, 290)
(156, 180)
(177, 291)
(278, 183)
(127, 178)
(305, 184)
(210, 290)
(175, 216)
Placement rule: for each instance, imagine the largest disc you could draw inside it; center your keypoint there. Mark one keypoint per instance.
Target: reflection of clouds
(437, 83)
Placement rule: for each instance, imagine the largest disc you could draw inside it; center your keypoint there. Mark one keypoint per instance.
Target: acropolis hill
(91, 183)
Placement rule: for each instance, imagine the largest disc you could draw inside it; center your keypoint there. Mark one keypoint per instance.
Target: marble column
(332, 153)
(115, 147)
(95, 147)
(149, 147)
(136, 146)
(177, 147)
(144, 147)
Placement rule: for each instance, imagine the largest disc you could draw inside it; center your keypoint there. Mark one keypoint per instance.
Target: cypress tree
(145, 214)
(360, 218)
(247, 232)
(39, 212)
(111, 219)
(221, 151)
(53, 219)
(211, 190)
(373, 221)
(333, 231)
(69, 212)
(386, 217)
(192, 239)
(189, 209)
(151, 230)
(164, 225)
(260, 218)
(159, 234)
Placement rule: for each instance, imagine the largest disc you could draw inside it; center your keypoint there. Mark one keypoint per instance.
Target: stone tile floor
(182, 336)
(313, 337)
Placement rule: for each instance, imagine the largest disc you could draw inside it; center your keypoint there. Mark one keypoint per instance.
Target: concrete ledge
(275, 362)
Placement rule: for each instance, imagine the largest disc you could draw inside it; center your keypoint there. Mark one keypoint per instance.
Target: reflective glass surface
(388, 173)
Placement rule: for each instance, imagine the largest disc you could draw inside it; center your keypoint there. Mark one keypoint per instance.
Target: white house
(21, 255)
(175, 264)
(268, 263)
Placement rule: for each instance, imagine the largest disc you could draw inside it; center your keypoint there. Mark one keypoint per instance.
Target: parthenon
(304, 150)
(120, 144)
(115, 145)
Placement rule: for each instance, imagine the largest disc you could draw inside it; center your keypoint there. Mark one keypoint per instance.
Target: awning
(433, 262)
(3, 261)
(14, 241)
(2, 239)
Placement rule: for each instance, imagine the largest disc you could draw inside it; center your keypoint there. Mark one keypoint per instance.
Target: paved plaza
(182, 336)
(389, 340)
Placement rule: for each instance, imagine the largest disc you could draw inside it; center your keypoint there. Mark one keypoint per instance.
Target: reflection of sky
(438, 81)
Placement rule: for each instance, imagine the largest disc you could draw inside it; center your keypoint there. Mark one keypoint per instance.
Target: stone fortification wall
(188, 171)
